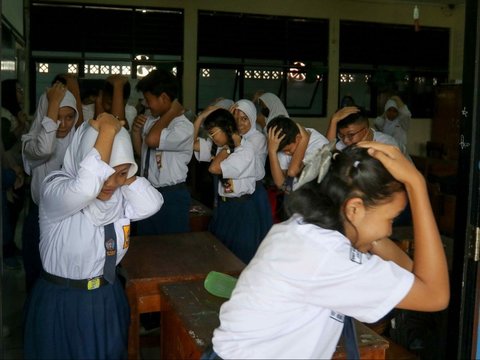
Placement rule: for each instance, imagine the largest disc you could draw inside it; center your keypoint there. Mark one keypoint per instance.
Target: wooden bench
(191, 314)
(155, 260)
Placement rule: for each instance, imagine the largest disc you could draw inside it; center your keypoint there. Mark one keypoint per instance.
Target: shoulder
(384, 138)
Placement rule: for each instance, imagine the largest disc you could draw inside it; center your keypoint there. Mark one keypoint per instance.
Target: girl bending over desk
(332, 259)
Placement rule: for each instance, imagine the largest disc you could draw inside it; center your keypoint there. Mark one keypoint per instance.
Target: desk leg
(134, 330)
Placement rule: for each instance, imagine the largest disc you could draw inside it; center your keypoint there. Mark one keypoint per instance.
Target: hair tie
(355, 164)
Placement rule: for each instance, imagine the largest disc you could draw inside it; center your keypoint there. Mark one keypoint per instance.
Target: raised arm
(274, 138)
(74, 88)
(152, 139)
(198, 124)
(296, 164)
(336, 118)
(430, 290)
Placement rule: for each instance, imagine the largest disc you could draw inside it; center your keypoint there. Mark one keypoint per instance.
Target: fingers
(374, 147)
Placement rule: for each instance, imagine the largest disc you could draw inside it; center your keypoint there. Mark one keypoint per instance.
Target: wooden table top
(198, 312)
(177, 257)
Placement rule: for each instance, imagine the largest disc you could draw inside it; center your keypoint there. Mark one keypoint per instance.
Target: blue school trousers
(260, 197)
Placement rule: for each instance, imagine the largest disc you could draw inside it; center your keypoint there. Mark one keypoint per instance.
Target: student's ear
(354, 210)
(298, 137)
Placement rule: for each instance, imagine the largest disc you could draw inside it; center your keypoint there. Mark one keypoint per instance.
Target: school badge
(110, 247)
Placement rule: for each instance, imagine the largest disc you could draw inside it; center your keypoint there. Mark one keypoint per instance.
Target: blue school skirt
(68, 323)
(236, 223)
(174, 215)
(260, 197)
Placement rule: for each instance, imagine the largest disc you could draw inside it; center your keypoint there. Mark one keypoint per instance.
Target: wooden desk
(191, 315)
(200, 216)
(155, 260)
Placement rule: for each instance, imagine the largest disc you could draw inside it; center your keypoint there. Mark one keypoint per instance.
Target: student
(235, 221)
(164, 140)
(269, 107)
(350, 125)
(245, 117)
(332, 259)
(288, 143)
(43, 151)
(78, 309)
(395, 120)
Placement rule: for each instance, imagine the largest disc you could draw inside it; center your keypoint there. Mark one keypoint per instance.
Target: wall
(386, 11)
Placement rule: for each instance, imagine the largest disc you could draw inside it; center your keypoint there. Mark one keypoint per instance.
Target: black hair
(90, 87)
(347, 100)
(287, 127)
(224, 120)
(60, 78)
(355, 118)
(159, 81)
(108, 89)
(9, 96)
(352, 173)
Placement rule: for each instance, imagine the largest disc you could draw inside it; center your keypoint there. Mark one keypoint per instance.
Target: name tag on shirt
(337, 316)
(355, 255)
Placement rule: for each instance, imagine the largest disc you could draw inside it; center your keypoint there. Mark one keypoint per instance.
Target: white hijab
(101, 212)
(275, 105)
(55, 161)
(248, 108)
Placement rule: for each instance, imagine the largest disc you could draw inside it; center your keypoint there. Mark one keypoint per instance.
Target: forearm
(137, 142)
(104, 143)
(42, 145)
(277, 173)
(215, 166)
(331, 130)
(296, 164)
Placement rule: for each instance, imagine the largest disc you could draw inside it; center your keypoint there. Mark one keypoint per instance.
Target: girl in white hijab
(270, 107)
(43, 149)
(77, 308)
(245, 116)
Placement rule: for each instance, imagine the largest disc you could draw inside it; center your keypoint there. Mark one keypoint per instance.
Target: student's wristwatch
(228, 150)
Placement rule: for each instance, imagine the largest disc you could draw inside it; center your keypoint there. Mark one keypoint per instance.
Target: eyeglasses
(350, 136)
(211, 136)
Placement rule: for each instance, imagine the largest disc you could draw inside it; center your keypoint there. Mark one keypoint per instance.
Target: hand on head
(56, 92)
(275, 136)
(344, 112)
(106, 121)
(393, 159)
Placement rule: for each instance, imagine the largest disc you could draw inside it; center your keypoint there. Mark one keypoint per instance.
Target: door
(465, 298)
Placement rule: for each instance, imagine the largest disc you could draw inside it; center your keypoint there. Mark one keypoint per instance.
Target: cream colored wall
(384, 11)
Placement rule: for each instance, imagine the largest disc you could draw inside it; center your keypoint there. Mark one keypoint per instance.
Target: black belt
(237, 199)
(172, 187)
(87, 284)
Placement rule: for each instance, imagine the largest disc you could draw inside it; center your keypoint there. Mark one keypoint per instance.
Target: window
(379, 60)
(283, 55)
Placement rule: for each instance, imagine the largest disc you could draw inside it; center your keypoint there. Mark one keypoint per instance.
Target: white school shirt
(239, 166)
(71, 246)
(258, 142)
(316, 141)
(290, 300)
(168, 163)
(42, 152)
